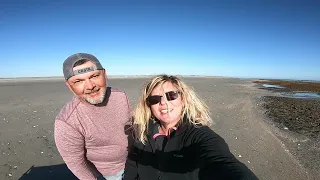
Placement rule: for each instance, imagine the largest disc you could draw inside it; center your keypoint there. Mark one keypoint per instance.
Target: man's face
(89, 86)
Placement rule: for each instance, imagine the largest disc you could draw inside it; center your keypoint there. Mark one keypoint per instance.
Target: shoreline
(296, 121)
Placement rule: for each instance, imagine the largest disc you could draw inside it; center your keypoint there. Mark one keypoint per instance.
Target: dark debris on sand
(298, 115)
(293, 85)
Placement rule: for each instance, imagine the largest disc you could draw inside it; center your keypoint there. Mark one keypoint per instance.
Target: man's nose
(89, 84)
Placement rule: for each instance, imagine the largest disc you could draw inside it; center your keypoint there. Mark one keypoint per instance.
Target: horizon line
(145, 76)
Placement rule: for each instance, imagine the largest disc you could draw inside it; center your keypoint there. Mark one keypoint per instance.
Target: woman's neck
(165, 128)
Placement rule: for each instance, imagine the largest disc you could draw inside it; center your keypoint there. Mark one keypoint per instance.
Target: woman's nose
(163, 100)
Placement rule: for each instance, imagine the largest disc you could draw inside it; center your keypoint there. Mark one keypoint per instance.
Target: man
(90, 129)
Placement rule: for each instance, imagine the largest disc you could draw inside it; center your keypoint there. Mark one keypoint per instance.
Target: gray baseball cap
(71, 60)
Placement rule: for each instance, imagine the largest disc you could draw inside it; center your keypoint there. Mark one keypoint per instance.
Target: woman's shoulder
(203, 133)
(199, 129)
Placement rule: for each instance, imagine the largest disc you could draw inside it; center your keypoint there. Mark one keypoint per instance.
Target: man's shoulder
(117, 93)
(116, 90)
(68, 109)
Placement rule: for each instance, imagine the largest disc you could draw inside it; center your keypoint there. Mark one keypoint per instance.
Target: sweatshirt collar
(177, 130)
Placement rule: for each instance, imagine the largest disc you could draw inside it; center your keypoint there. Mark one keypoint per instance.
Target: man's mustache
(92, 91)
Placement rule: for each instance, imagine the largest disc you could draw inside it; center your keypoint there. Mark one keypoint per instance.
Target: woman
(173, 138)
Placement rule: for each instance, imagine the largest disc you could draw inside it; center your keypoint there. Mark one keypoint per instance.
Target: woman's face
(169, 107)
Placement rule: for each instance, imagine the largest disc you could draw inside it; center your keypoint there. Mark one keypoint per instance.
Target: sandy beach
(28, 108)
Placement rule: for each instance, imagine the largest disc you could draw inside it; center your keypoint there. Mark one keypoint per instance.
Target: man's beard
(96, 101)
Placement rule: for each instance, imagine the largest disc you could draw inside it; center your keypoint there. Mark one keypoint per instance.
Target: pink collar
(160, 134)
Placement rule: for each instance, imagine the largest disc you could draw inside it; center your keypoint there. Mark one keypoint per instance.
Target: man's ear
(69, 86)
(105, 72)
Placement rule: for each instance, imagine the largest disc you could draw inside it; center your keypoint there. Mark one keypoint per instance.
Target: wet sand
(297, 118)
(28, 108)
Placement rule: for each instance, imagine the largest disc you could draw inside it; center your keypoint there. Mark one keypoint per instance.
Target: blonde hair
(194, 110)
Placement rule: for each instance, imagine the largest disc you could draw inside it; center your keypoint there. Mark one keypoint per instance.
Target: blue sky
(256, 39)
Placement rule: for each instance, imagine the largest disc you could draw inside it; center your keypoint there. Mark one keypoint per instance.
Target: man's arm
(70, 144)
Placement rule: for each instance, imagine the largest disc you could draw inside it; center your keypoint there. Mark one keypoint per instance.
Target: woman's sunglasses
(171, 95)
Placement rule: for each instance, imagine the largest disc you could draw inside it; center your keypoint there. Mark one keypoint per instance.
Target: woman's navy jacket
(188, 153)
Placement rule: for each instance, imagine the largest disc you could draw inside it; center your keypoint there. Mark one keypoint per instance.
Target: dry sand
(28, 108)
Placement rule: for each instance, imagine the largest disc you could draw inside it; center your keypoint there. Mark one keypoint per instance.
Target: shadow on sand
(53, 172)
